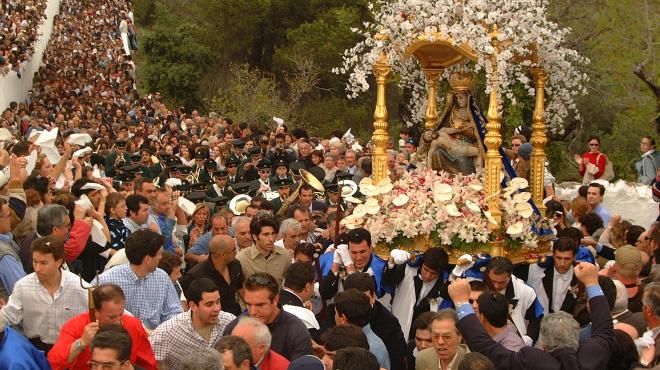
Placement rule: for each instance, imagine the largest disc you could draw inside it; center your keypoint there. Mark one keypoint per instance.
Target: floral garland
(451, 209)
(520, 23)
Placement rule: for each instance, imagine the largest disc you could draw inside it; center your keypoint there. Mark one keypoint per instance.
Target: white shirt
(40, 314)
(560, 286)
(426, 288)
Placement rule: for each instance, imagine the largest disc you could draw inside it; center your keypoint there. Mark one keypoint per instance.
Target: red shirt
(77, 240)
(594, 159)
(141, 353)
(274, 361)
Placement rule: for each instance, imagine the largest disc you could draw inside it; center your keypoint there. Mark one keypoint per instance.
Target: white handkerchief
(81, 152)
(187, 206)
(79, 139)
(5, 134)
(84, 202)
(52, 153)
(47, 143)
(92, 186)
(96, 173)
(97, 234)
(61, 181)
(31, 161)
(47, 138)
(172, 182)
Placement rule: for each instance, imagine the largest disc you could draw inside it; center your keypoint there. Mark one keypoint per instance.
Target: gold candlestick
(539, 139)
(493, 140)
(380, 137)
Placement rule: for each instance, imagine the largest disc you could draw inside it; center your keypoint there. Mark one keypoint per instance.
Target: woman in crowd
(317, 157)
(555, 211)
(592, 163)
(329, 166)
(650, 161)
(198, 226)
(579, 208)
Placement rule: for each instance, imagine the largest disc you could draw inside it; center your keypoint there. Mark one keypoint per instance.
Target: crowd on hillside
(206, 243)
(19, 24)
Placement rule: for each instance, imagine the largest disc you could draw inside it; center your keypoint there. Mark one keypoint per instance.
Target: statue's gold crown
(461, 81)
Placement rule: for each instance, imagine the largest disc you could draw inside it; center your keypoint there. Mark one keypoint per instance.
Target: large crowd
(133, 235)
(19, 24)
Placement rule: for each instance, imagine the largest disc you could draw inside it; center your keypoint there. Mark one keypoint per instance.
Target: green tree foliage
(176, 61)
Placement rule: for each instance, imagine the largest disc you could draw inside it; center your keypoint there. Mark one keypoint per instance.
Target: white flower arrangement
(452, 209)
(521, 23)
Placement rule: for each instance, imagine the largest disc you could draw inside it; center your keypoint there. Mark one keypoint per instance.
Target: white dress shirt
(560, 287)
(39, 313)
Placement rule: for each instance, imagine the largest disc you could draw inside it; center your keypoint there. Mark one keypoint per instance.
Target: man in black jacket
(383, 323)
(559, 336)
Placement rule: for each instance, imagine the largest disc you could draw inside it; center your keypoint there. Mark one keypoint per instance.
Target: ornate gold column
(539, 140)
(493, 141)
(380, 137)
(431, 117)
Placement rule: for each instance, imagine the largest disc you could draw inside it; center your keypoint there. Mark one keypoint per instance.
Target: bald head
(221, 244)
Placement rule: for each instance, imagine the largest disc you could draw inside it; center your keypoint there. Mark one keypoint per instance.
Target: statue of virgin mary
(456, 144)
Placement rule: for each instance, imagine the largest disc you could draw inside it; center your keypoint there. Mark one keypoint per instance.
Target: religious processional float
(463, 194)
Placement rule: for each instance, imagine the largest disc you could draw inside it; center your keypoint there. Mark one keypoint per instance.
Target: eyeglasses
(590, 144)
(231, 166)
(445, 337)
(515, 144)
(646, 238)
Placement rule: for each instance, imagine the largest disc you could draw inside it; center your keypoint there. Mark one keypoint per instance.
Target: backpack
(608, 174)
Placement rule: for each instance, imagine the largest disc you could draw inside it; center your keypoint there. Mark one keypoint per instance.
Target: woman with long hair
(198, 225)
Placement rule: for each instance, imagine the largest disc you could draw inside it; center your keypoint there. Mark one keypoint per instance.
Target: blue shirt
(17, 353)
(166, 226)
(152, 298)
(118, 232)
(603, 213)
(11, 268)
(11, 271)
(377, 347)
(202, 244)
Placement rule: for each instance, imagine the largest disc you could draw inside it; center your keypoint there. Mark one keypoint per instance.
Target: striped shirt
(152, 298)
(39, 313)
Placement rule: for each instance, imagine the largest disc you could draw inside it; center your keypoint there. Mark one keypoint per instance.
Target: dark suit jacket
(387, 327)
(586, 357)
(570, 300)
(289, 298)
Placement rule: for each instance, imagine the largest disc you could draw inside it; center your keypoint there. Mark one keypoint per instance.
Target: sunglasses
(231, 166)
(594, 144)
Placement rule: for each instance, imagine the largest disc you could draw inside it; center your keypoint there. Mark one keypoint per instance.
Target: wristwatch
(78, 345)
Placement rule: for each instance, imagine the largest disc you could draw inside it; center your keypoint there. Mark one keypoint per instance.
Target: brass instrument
(307, 178)
(193, 178)
(239, 204)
